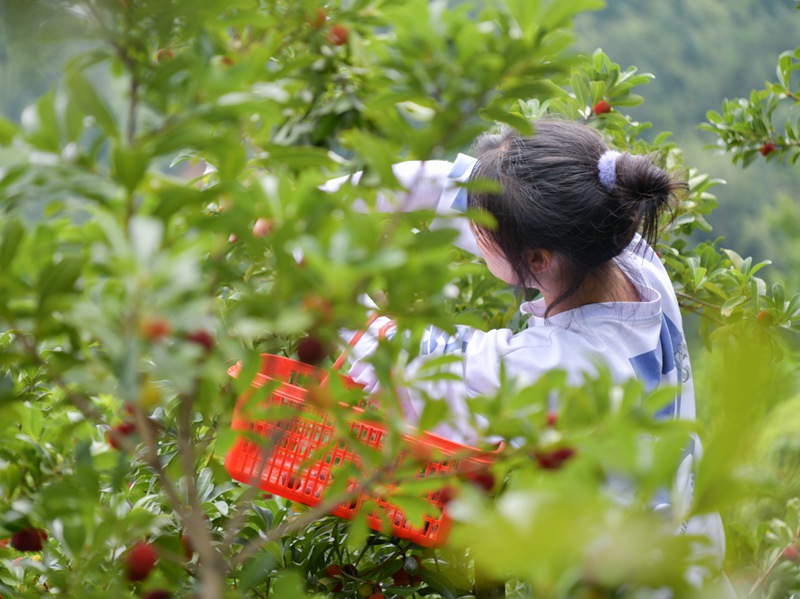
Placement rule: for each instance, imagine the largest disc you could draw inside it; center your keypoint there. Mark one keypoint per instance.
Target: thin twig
(686, 296)
(765, 574)
(213, 572)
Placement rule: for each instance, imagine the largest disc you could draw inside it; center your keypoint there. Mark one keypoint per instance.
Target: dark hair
(551, 198)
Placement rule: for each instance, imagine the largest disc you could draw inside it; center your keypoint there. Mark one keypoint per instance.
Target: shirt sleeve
(426, 185)
(422, 185)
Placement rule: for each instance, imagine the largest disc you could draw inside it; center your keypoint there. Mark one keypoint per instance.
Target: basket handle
(356, 338)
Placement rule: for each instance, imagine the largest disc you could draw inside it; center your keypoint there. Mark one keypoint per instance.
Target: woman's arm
(427, 185)
(422, 183)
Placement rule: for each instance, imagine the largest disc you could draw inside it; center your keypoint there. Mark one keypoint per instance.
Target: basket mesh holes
(430, 529)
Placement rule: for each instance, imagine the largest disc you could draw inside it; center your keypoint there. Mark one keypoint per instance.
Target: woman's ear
(540, 261)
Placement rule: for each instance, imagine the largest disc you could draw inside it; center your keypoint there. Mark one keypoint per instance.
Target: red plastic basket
(299, 454)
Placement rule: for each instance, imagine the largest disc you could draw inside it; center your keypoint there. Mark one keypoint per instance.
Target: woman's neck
(610, 285)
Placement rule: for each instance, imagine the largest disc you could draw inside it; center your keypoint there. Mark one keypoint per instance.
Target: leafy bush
(132, 277)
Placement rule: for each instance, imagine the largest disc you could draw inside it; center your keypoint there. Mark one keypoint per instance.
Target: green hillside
(702, 52)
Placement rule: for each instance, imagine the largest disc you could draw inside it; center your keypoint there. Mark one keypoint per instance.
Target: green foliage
(746, 127)
(132, 277)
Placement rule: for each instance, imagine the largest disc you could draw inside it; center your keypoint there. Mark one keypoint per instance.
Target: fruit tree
(162, 221)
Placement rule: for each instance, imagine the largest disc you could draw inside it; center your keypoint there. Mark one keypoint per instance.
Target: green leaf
(13, 232)
(731, 304)
(288, 585)
(358, 531)
(128, 165)
(8, 131)
(72, 532)
(414, 508)
(258, 569)
(439, 583)
(580, 89)
(298, 157)
(59, 277)
(433, 414)
(87, 98)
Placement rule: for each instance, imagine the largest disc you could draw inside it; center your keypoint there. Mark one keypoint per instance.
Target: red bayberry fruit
(157, 594)
(118, 432)
(262, 227)
(553, 460)
(483, 480)
(401, 578)
(319, 18)
(767, 149)
(28, 539)
(792, 553)
(602, 107)
(447, 494)
(155, 329)
(338, 35)
(140, 561)
(201, 337)
(164, 54)
(337, 588)
(311, 350)
(377, 596)
(188, 548)
(333, 570)
(350, 570)
(765, 318)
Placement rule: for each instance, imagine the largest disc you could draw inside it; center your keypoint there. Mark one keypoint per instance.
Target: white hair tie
(607, 168)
